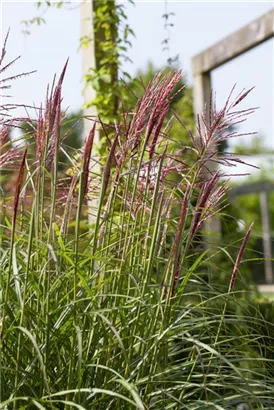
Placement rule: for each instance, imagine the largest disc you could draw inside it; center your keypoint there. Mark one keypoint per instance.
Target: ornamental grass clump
(115, 313)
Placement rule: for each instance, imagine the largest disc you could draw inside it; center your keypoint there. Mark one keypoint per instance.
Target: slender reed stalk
(126, 312)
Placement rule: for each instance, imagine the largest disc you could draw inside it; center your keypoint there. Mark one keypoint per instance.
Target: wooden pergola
(234, 45)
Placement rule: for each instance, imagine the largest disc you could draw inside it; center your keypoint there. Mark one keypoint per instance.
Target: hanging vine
(112, 38)
(111, 34)
(168, 24)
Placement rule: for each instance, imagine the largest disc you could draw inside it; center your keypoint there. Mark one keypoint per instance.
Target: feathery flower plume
(52, 118)
(19, 183)
(214, 127)
(204, 195)
(239, 258)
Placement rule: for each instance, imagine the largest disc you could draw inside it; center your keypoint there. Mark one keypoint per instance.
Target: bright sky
(197, 25)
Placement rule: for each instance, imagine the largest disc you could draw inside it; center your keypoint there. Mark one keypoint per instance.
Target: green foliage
(111, 40)
(248, 206)
(110, 45)
(118, 316)
(244, 210)
(250, 211)
(262, 311)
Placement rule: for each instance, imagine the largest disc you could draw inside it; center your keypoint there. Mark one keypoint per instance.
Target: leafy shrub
(119, 316)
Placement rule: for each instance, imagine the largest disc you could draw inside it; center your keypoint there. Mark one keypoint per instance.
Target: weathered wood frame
(234, 45)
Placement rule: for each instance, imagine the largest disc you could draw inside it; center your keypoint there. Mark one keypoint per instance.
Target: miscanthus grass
(116, 313)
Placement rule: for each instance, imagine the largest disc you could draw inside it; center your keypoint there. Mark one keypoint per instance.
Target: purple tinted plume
(239, 258)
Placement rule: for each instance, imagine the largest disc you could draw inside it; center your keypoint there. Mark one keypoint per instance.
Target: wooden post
(93, 58)
(202, 91)
(89, 113)
(266, 237)
(88, 63)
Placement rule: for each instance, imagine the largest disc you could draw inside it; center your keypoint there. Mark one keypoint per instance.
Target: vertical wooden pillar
(266, 237)
(89, 63)
(202, 90)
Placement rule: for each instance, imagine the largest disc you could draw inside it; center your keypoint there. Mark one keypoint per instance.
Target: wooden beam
(201, 92)
(252, 188)
(266, 289)
(235, 44)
